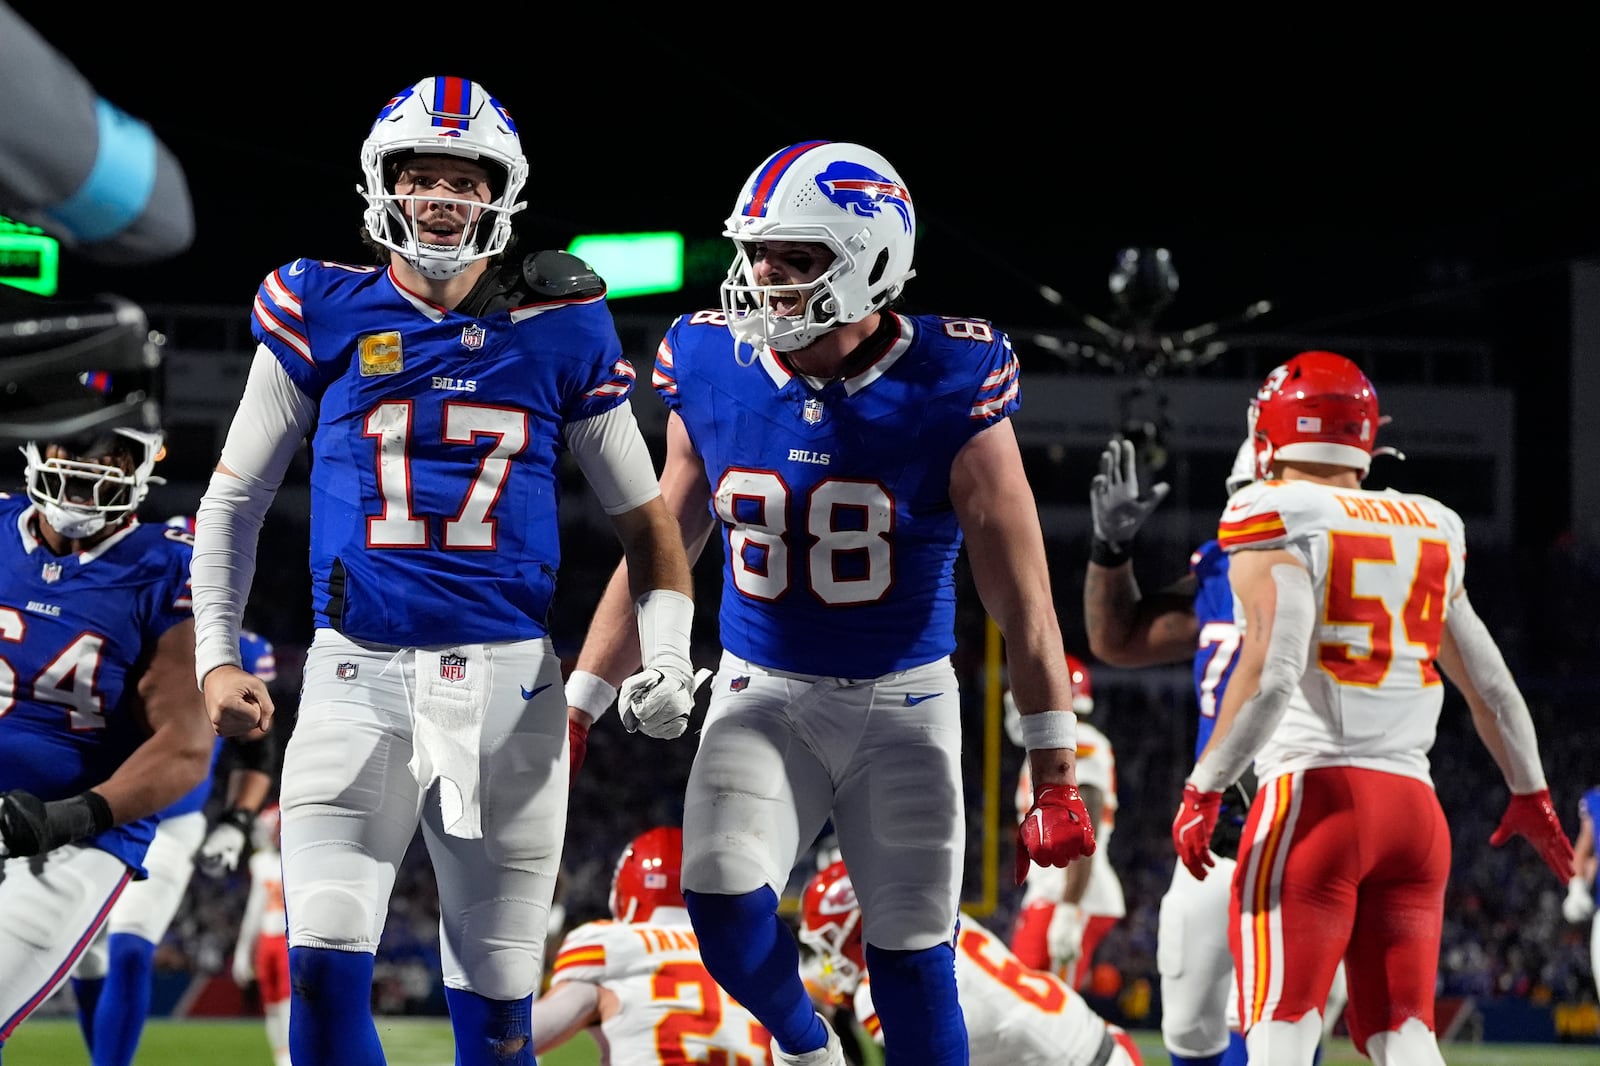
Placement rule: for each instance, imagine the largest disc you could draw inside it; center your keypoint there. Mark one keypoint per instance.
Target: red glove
(1056, 830)
(578, 743)
(1192, 827)
(1532, 816)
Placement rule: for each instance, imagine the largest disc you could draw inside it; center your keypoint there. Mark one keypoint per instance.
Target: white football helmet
(442, 116)
(1244, 467)
(841, 195)
(80, 498)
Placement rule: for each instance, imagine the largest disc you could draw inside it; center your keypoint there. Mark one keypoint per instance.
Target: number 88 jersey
(1384, 566)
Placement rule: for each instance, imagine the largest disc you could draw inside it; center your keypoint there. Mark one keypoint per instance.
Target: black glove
(30, 826)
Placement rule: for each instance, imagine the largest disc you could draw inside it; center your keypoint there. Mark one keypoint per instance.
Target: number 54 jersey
(1384, 566)
(839, 536)
(671, 1012)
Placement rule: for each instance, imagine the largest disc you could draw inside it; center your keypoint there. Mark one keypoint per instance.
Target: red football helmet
(648, 875)
(1319, 408)
(1082, 695)
(830, 924)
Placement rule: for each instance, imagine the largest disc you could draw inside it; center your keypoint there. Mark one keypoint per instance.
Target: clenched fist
(1056, 830)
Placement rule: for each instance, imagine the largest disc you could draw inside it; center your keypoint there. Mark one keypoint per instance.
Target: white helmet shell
(451, 117)
(841, 195)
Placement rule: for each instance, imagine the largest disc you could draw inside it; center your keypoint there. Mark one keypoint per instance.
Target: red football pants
(1030, 940)
(1340, 862)
(272, 968)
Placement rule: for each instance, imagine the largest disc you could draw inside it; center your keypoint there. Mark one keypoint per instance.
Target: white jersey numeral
(1219, 641)
(473, 527)
(842, 518)
(68, 679)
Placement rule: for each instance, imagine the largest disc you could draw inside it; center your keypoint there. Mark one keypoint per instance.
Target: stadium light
(28, 258)
(633, 264)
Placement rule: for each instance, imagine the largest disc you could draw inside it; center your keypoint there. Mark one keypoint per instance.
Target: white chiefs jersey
(1097, 766)
(1015, 1016)
(1384, 567)
(672, 1012)
(266, 894)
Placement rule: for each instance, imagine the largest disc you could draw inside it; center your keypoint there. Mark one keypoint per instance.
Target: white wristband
(590, 693)
(1049, 729)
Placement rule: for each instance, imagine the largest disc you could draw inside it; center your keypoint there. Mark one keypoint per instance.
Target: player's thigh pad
(350, 802)
(495, 891)
(147, 907)
(53, 906)
(899, 807)
(1197, 986)
(758, 791)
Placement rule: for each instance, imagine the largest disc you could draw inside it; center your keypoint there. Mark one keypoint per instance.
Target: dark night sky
(1330, 183)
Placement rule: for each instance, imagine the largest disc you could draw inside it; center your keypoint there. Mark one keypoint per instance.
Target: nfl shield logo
(472, 337)
(51, 573)
(739, 684)
(812, 412)
(452, 667)
(345, 671)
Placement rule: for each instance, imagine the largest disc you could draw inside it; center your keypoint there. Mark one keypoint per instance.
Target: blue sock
(124, 1000)
(1316, 1059)
(483, 1026)
(330, 1008)
(1195, 1060)
(915, 995)
(86, 991)
(752, 954)
(1236, 1054)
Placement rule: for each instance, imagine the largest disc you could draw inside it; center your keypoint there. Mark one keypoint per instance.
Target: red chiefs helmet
(830, 924)
(648, 875)
(1319, 408)
(1082, 694)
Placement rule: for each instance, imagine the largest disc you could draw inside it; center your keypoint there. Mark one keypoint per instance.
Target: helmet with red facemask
(830, 924)
(1316, 408)
(648, 875)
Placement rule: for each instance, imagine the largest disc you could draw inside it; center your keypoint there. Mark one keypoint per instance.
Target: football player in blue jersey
(440, 392)
(1193, 618)
(101, 725)
(111, 983)
(1579, 905)
(843, 451)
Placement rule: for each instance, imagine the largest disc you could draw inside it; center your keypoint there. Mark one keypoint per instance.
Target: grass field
(426, 1042)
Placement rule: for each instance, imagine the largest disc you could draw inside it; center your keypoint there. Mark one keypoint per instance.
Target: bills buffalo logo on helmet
(853, 187)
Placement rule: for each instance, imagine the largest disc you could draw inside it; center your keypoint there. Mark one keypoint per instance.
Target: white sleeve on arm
(614, 459)
(1486, 669)
(562, 1011)
(274, 416)
(1287, 652)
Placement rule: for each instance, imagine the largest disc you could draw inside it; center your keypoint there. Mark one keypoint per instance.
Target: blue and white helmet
(79, 496)
(451, 117)
(841, 195)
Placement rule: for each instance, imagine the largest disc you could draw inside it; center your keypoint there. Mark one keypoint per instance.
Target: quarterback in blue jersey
(843, 451)
(111, 984)
(440, 392)
(101, 725)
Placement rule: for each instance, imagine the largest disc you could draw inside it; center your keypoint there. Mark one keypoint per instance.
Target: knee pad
(341, 915)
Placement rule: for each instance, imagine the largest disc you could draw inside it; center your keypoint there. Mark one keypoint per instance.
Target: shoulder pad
(547, 275)
(561, 275)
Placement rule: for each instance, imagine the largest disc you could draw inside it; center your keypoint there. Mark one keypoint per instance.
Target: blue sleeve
(278, 320)
(998, 394)
(603, 375)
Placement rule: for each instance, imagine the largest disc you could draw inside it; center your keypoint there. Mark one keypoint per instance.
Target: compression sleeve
(614, 459)
(274, 416)
(1487, 670)
(1287, 651)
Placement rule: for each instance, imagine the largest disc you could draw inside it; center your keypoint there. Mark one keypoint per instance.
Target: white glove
(658, 699)
(244, 970)
(1578, 907)
(1115, 503)
(1065, 936)
(221, 851)
(657, 702)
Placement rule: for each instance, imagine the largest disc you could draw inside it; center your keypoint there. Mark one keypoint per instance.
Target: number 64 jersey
(1384, 566)
(833, 497)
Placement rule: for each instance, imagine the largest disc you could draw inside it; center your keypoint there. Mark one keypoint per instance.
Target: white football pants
(146, 908)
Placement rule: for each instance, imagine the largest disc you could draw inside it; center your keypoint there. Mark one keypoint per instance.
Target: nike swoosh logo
(297, 268)
(530, 695)
(912, 701)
